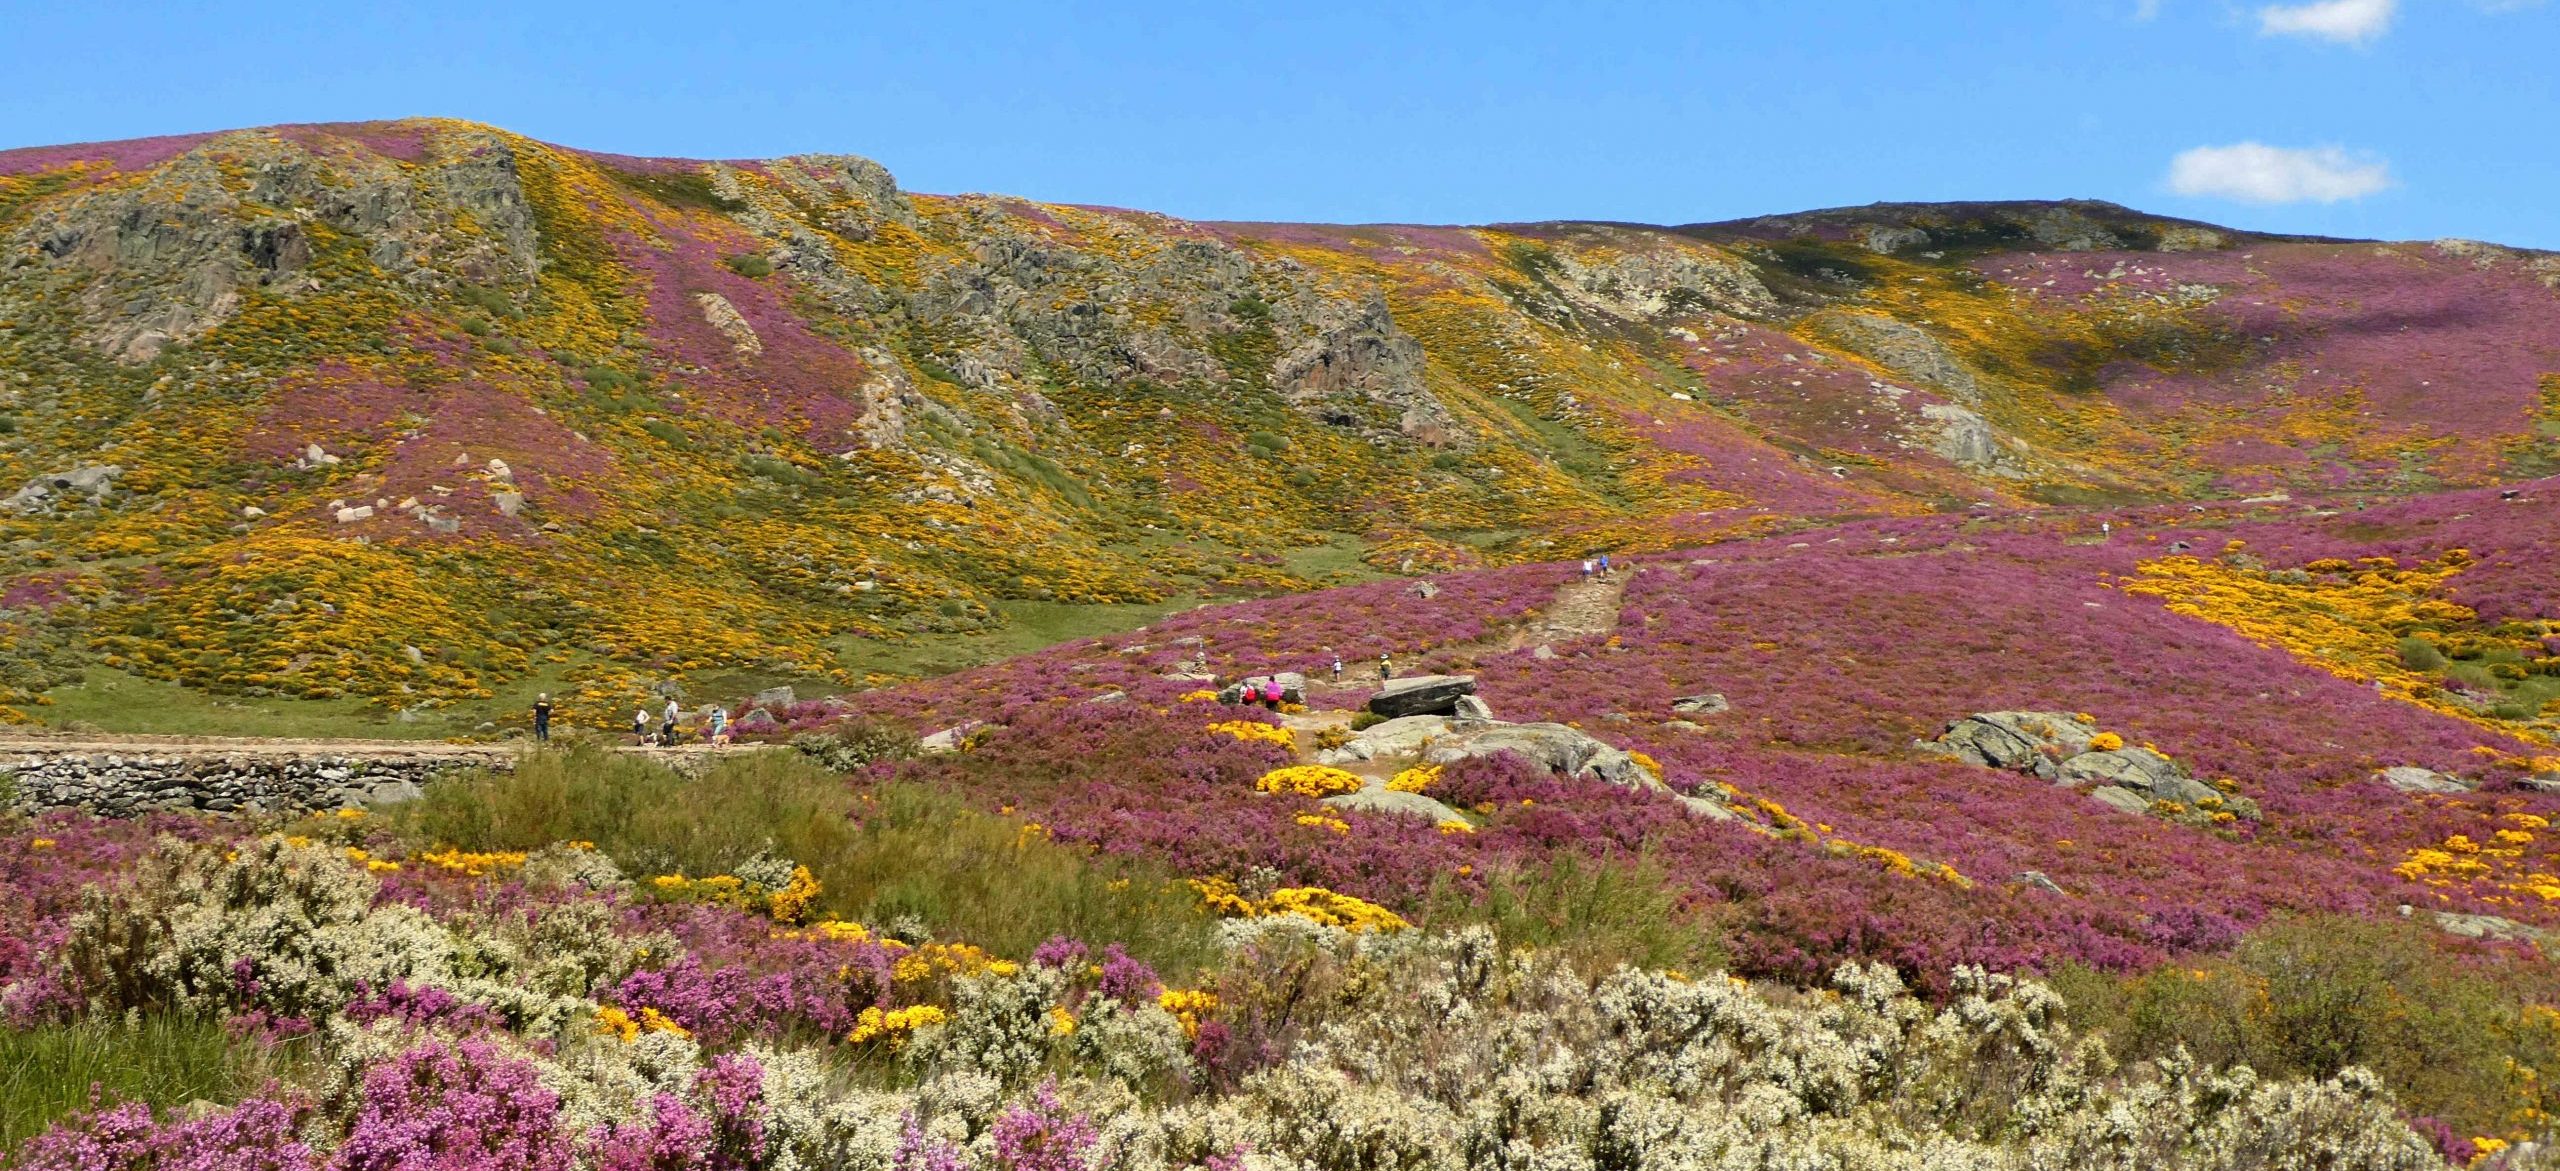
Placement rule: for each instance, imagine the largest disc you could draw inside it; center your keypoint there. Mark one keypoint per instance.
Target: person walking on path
(1586, 569)
(640, 726)
(719, 726)
(1386, 667)
(667, 724)
(542, 718)
(1337, 668)
(1604, 563)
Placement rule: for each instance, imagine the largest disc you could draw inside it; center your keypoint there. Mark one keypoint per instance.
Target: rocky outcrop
(1705, 703)
(1657, 282)
(126, 786)
(1421, 695)
(1967, 440)
(1355, 352)
(2065, 749)
(93, 484)
(723, 316)
(2036, 742)
(165, 260)
(2411, 779)
(1906, 350)
(1559, 748)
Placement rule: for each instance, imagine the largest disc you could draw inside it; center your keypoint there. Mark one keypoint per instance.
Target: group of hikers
(715, 726)
(1598, 564)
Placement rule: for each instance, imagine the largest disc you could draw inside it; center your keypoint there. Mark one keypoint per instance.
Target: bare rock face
(1357, 352)
(1905, 349)
(732, 325)
(1968, 441)
(1661, 281)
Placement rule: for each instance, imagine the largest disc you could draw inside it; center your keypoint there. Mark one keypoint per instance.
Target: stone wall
(124, 785)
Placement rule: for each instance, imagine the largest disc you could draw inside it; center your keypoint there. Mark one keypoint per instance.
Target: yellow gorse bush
(894, 1025)
(1309, 780)
(1312, 903)
(1417, 779)
(1252, 731)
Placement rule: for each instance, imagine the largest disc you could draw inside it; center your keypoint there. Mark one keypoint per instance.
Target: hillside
(422, 416)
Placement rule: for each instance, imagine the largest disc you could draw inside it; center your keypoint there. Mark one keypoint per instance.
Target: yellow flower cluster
(947, 959)
(1312, 903)
(1251, 731)
(2105, 742)
(474, 865)
(787, 905)
(2347, 618)
(614, 1022)
(2498, 870)
(1308, 780)
(1417, 779)
(1204, 695)
(1188, 1006)
(1454, 826)
(894, 1025)
(1326, 820)
(1648, 764)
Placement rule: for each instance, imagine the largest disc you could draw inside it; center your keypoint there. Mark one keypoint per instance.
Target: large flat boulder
(1422, 695)
(1380, 799)
(2411, 779)
(1560, 749)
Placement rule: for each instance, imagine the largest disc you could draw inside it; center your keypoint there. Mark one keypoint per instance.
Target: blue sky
(2390, 118)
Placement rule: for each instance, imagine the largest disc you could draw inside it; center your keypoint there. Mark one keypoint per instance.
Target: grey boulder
(1704, 703)
(2021, 741)
(1380, 799)
(2146, 773)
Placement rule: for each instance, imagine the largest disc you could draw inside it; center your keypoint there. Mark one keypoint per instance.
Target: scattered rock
(2123, 799)
(1426, 589)
(2490, 927)
(2411, 779)
(352, 513)
(2037, 879)
(1471, 707)
(1114, 696)
(1421, 695)
(1559, 748)
(949, 739)
(2145, 773)
(773, 697)
(723, 316)
(1704, 703)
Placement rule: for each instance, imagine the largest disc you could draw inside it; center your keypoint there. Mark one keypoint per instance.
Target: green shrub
(748, 264)
(666, 432)
(1267, 442)
(46, 1071)
(1600, 913)
(2308, 996)
(2417, 654)
(1448, 461)
(1366, 720)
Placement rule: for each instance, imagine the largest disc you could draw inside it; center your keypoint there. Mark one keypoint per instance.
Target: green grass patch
(895, 852)
(108, 700)
(1026, 626)
(1601, 913)
(47, 1071)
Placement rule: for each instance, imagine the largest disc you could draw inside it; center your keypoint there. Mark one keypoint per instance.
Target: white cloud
(2351, 22)
(2146, 9)
(2254, 172)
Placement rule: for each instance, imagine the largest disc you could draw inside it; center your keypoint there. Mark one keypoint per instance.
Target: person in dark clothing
(1386, 667)
(542, 717)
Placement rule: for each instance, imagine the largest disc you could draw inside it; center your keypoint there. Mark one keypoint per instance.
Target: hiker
(1604, 563)
(640, 726)
(667, 726)
(1271, 694)
(1337, 668)
(1586, 569)
(719, 726)
(542, 718)
(1386, 667)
